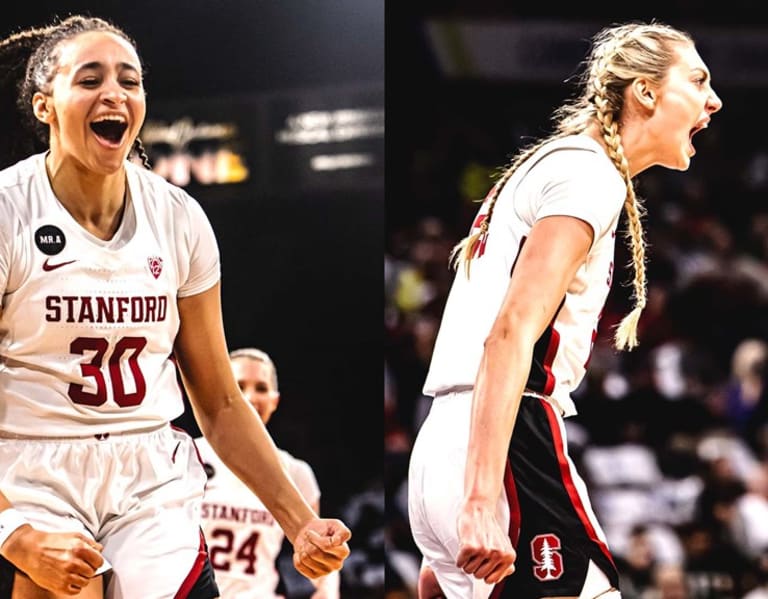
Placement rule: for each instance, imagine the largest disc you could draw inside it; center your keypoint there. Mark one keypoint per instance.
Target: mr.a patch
(50, 240)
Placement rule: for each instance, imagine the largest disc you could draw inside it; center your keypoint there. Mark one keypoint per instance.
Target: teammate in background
(495, 504)
(243, 538)
(106, 270)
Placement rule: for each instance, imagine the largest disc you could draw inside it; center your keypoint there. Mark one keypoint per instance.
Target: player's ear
(644, 93)
(42, 107)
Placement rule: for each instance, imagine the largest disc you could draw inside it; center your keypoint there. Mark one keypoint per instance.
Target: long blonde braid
(626, 332)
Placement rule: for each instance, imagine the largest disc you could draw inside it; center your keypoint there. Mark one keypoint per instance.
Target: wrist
(294, 521)
(480, 499)
(325, 590)
(329, 582)
(11, 520)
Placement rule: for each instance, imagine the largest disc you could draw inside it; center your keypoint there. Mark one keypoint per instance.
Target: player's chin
(688, 152)
(680, 162)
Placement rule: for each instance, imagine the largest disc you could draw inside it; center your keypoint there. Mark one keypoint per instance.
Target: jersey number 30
(127, 350)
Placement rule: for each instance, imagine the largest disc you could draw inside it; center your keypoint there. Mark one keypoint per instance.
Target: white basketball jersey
(244, 540)
(571, 176)
(88, 326)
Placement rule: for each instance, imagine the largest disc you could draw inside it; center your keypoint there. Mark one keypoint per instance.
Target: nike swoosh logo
(49, 267)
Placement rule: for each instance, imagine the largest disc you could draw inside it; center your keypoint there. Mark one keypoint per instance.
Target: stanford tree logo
(546, 556)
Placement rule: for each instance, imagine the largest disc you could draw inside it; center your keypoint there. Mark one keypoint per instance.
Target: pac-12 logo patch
(155, 265)
(547, 559)
(50, 240)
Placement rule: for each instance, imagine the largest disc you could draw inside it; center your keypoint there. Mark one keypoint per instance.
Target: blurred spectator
(363, 574)
(746, 395)
(669, 582)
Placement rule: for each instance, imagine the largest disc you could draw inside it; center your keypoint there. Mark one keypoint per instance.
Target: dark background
(481, 109)
(301, 253)
(203, 48)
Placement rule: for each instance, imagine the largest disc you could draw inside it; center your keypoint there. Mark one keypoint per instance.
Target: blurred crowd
(672, 437)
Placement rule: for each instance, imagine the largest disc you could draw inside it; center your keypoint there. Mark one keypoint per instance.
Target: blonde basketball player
(495, 504)
(243, 538)
(106, 272)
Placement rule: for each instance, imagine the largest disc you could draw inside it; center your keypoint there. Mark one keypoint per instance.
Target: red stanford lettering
(217, 511)
(85, 308)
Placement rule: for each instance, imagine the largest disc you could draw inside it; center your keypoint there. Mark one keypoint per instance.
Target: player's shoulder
(288, 458)
(155, 188)
(20, 185)
(20, 173)
(299, 470)
(292, 463)
(581, 148)
(577, 158)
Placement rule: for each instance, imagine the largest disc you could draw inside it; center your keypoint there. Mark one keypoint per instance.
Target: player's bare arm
(556, 248)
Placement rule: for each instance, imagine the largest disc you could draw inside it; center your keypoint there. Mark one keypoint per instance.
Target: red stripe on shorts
(570, 486)
(194, 573)
(514, 520)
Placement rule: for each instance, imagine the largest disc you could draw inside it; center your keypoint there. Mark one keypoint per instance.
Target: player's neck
(95, 201)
